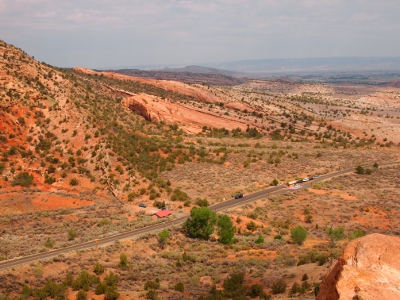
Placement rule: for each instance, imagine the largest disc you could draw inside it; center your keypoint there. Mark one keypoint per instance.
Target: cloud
(181, 34)
(183, 30)
(362, 17)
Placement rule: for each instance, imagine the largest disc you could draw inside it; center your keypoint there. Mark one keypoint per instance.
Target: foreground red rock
(369, 268)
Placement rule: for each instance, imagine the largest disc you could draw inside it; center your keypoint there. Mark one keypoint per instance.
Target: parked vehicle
(239, 196)
(306, 179)
(142, 205)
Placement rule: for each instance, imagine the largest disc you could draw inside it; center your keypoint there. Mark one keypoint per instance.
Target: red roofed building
(163, 213)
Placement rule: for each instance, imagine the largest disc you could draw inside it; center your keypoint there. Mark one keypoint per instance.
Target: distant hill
(189, 74)
(203, 70)
(309, 64)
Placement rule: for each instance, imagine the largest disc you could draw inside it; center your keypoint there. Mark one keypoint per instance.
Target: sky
(121, 33)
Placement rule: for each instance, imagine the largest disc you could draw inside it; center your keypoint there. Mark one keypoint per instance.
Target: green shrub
(100, 288)
(98, 269)
(158, 204)
(233, 285)
(111, 279)
(296, 288)
(274, 182)
(260, 239)
(111, 293)
(298, 234)
(202, 202)
(131, 196)
(84, 281)
(81, 295)
(151, 285)
(319, 185)
(226, 230)
(73, 182)
(279, 287)
(179, 287)
(305, 286)
(152, 295)
(251, 226)
(104, 222)
(316, 288)
(49, 179)
(23, 179)
(335, 234)
(49, 243)
(356, 234)
(256, 290)
(71, 234)
(51, 169)
(360, 170)
(178, 195)
(123, 260)
(21, 121)
(312, 257)
(163, 237)
(188, 257)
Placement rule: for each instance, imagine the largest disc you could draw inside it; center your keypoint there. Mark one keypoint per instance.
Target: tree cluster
(202, 221)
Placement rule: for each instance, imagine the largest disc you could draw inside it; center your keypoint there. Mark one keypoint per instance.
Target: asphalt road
(273, 191)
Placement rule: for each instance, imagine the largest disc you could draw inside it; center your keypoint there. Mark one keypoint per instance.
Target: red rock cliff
(369, 268)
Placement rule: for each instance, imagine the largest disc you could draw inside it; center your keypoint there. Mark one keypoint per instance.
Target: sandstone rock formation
(189, 119)
(368, 269)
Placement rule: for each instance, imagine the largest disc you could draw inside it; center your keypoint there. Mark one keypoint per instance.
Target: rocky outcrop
(368, 269)
(141, 105)
(189, 119)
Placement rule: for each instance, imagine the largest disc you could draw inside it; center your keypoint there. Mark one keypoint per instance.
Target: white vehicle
(305, 179)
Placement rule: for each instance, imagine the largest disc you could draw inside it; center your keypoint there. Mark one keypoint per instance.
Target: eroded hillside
(80, 150)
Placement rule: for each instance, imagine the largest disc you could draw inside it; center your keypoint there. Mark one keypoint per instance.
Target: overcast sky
(113, 33)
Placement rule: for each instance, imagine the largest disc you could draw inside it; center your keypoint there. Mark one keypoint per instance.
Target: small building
(163, 213)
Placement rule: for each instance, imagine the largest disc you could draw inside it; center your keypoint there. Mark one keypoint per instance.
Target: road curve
(216, 207)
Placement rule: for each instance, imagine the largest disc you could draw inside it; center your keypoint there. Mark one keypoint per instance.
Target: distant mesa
(189, 74)
(317, 64)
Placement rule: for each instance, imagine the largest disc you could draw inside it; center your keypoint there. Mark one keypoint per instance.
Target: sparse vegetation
(104, 165)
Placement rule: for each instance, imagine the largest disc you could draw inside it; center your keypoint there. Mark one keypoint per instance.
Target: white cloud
(362, 17)
(187, 30)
